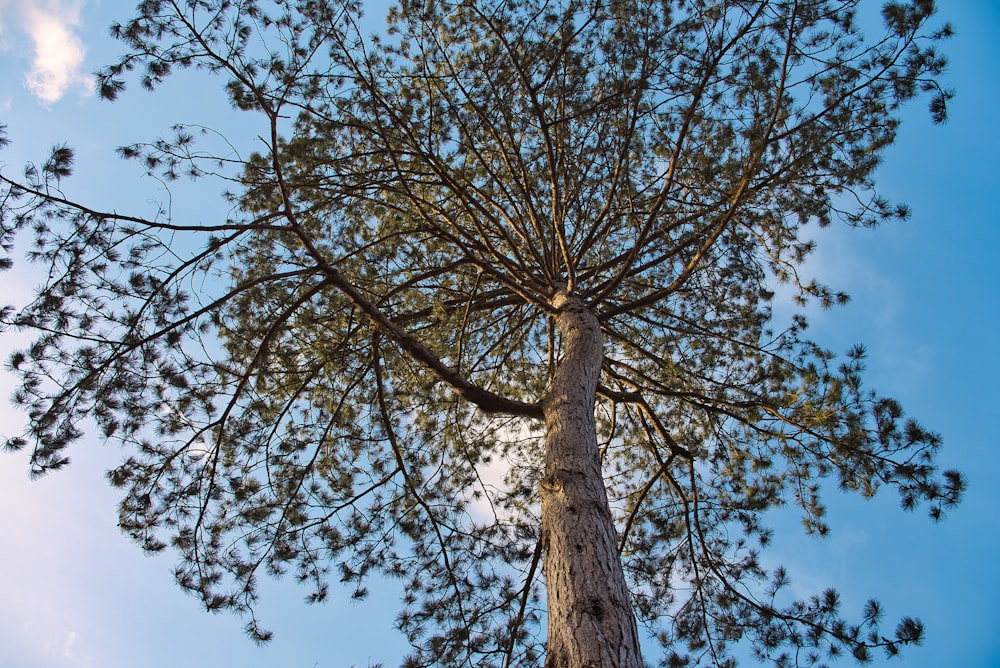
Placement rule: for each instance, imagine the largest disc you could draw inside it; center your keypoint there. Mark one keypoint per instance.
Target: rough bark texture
(590, 619)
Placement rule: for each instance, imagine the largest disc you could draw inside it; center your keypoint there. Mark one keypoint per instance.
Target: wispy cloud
(67, 653)
(52, 27)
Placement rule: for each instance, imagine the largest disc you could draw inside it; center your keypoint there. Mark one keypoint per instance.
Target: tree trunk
(591, 624)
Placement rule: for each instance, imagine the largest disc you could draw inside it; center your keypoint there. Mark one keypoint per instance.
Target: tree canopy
(355, 371)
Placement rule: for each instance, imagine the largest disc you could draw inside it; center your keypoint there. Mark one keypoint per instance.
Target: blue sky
(926, 302)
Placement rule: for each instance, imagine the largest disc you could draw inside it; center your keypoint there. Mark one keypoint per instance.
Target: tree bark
(590, 618)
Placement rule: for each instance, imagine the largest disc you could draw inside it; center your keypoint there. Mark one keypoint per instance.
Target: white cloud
(59, 52)
(52, 27)
(67, 654)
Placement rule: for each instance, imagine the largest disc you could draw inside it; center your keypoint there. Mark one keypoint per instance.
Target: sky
(74, 592)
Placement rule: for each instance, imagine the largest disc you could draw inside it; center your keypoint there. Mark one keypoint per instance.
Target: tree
(544, 234)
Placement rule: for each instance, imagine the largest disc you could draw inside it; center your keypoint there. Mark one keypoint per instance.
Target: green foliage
(319, 384)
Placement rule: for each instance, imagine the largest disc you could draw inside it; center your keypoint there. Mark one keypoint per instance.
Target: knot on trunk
(566, 301)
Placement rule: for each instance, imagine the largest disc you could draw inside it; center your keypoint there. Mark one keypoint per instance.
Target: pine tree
(537, 237)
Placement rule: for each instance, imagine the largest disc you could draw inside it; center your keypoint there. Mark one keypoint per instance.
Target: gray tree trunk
(590, 618)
